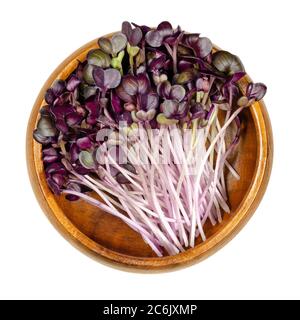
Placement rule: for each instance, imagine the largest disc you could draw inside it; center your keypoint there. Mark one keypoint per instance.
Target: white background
(261, 262)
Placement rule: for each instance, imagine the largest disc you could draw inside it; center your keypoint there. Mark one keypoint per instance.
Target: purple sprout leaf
(165, 29)
(256, 91)
(79, 69)
(191, 40)
(63, 99)
(126, 29)
(72, 197)
(122, 93)
(118, 42)
(56, 167)
(84, 143)
(61, 125)
(143, 83)
(177, 93)
(98, 75)
(50, 155)
(60, 111)
(139, 26)
(168, 108)
(144, 28)
(73, 187)
(73, 119)
(201, 46)
(202, 84)
(93, 111)
(230, 89)
(58, 179)
(182, 110)
(183, 65)
(124, 117)
(112, 78)
(106, 79)
(129, 106)
(136, 36)
(105, 45)
(115, 103)
(46, 127)
(157, 64)
(174, 110)
(151, 114)
(154, 38)
(121, 178)
(172, 40)
(141, 115)
(53, 186)
(74, 152)
(227, 63)
(58, 87)
(50, 96)
(148, 101)
(87, 91)
(205, 67)
(204, 46)
(130, 85)
(88, 74)
(73, 83)
(198, 111)
(98, 58)
(152, 101)
(129, 167)
(164, 89)
(237, 76)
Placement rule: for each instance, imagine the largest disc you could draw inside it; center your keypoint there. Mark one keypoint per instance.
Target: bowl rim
(125, 262)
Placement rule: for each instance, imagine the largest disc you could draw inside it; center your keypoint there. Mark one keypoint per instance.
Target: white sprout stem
(126, 173)
(216, 174)
(210, 148)
(167, 203)
(134, 225)
(168, 183)
(122, 195)
(160, 212)
(169, 246)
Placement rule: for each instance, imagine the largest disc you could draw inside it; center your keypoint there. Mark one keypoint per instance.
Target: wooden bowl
(108, 239)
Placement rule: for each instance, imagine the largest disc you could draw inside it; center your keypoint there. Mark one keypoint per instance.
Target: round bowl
(108, 239)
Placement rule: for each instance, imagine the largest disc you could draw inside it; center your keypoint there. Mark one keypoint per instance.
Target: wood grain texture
(108, 239)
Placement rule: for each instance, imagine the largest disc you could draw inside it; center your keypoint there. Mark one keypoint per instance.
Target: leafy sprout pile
(106, 129)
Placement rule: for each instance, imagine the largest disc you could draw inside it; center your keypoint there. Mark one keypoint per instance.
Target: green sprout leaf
(86, 159)
(105, 45)
(88, 74)
(118, 42)
(116, 62)
(161, 119)
(132, 51)
(99, 58)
